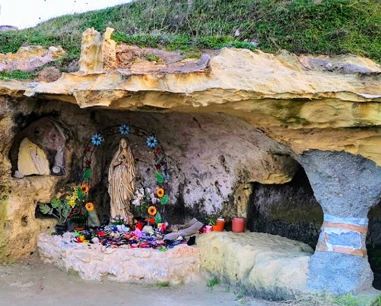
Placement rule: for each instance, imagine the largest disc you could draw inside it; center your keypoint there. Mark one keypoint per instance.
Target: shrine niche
(39, 149)
(128, 167)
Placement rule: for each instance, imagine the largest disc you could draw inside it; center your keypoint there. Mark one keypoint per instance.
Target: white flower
(136, 202)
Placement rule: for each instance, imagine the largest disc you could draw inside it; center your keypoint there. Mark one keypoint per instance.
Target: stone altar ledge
(95, 262)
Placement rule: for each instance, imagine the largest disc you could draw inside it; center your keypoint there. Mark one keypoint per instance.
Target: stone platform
(264, 265)
(256, 261)
(95, 262)
(267, 266)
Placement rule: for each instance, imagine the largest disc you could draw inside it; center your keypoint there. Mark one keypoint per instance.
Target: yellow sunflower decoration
(72, 201)
(160, 192)
(152, 210)
(89, 206)
(85, 188)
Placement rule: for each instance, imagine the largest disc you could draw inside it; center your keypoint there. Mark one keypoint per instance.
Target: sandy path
(32, 283)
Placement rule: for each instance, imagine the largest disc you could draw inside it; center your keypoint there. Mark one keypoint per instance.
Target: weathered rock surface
(95, 262)
(341, 64)
(49, 74)
(21, 227)
(346, 186)
(29, 58)
(98, 53)
(257, 261)
(289, 210)
(290, 97)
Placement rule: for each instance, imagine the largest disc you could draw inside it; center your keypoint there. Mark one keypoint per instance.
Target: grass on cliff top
(299, 26)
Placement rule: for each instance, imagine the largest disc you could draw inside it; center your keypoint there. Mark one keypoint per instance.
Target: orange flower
(89, 206)
(152, 210)
(85, 188)
(160, 192)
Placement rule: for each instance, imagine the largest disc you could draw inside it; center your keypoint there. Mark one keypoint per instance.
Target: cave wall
(289, 210)
(209, 157)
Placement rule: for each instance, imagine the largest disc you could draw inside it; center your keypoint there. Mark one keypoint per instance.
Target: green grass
(163, 284)
(17, 74)
(299, 26)
(212, 282)
(349, 300)
(152, 57)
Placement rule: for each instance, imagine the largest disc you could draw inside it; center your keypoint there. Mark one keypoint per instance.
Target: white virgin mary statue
(121, 178)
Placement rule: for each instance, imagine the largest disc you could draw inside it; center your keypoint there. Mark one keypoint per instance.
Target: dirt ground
(30, 282)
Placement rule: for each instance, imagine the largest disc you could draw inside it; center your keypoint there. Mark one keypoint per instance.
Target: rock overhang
(300, 101)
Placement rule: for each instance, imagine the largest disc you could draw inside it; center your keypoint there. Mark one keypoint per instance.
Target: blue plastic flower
(124, 129)
(151, 141)
(97, 139)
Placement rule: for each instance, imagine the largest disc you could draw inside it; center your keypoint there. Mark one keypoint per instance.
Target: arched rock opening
(288, 210)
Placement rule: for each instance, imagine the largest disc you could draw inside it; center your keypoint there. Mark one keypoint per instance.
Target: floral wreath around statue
(147, 201)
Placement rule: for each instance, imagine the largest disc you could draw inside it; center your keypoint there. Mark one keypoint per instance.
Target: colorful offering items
(110, 237)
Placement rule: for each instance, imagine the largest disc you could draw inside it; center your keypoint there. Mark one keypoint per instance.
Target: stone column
(346, 186)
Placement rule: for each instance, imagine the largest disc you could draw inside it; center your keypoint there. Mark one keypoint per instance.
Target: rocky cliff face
(226, 120)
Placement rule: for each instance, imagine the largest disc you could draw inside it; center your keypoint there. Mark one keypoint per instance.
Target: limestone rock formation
(49, 74)
(98, 53)
(29, 58)
(256, 261)
(91, 55)
(289, 97)
(21, 227)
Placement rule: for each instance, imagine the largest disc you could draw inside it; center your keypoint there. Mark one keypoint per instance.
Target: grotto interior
(208, 137)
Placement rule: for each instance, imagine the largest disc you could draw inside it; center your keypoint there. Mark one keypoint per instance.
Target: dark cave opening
(289, 210)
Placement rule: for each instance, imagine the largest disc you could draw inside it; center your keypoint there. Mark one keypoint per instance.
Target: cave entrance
(289, 210)
(373, 244)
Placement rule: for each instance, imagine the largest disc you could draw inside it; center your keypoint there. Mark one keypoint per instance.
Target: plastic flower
(152, 210)
(124, 129)
(85, 188)
(89, 206)
(97, 139)
(71, 202)
(75, 192)
(160, 192)
(151, 142)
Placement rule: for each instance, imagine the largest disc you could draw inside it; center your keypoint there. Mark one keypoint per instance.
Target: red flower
(88, 149)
